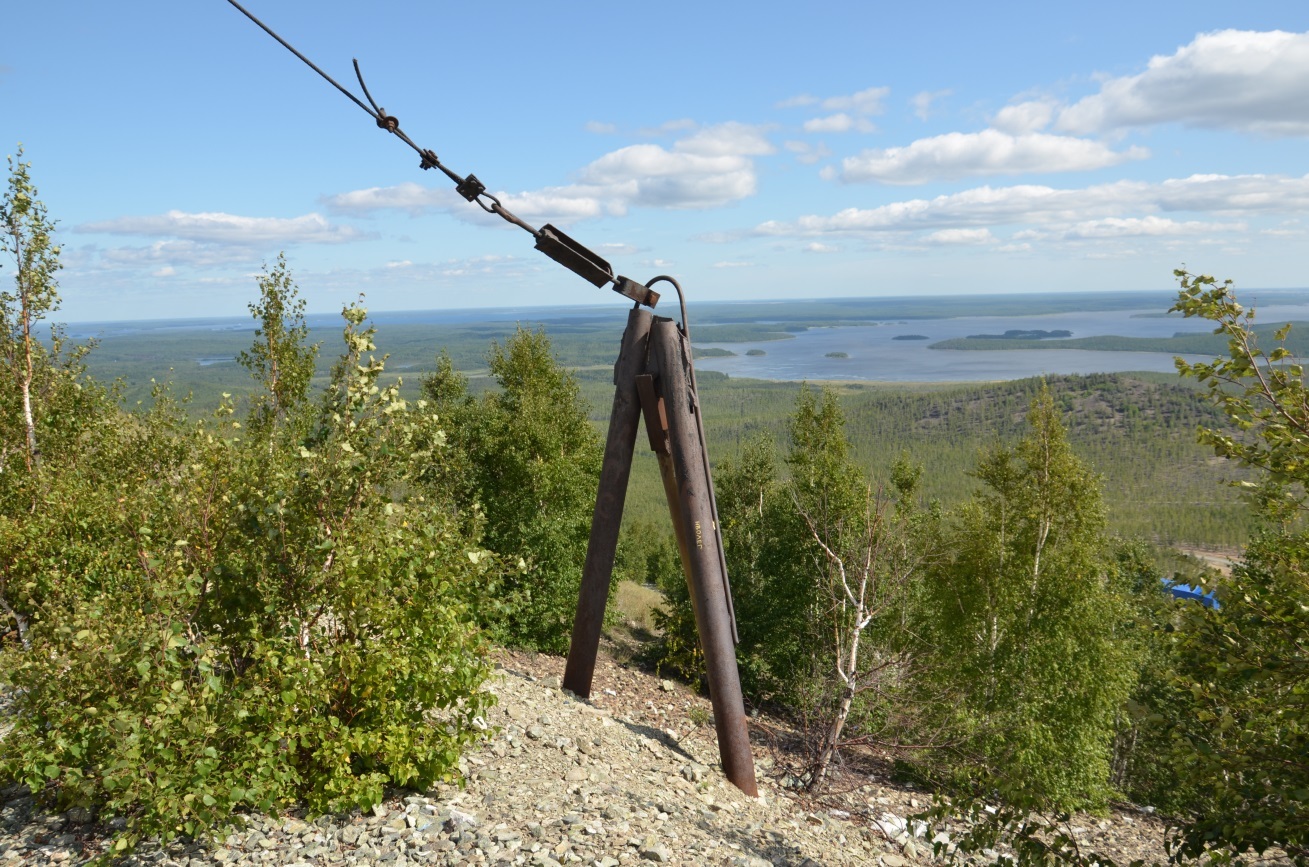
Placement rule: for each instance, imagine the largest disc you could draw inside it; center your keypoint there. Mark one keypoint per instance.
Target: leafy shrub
(224, 617)
(1246, 665)
(527, 464)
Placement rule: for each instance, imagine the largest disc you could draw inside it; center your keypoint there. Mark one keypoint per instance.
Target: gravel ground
(629, 777)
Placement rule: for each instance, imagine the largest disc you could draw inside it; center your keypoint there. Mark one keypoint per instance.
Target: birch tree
(1025, 615)
(281, 359)
(27, 235)
(867, 561)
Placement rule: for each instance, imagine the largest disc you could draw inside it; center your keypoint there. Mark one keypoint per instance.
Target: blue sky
(751, 150)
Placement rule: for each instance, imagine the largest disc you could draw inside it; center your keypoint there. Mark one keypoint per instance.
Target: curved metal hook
(681, 299)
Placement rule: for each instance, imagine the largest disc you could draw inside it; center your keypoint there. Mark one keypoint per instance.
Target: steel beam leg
(609, 500)
(671, 356)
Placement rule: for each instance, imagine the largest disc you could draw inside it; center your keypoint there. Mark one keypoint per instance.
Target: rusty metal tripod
(654, 377)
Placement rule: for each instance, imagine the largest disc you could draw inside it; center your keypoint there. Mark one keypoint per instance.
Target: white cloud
(600, 127)
(839, 122)
(1058, 212)
(681, 124)
(799, 101)
(732, 265)
(551, 204)
(1022, 117)
(1231, 79)
(1151, 226)
(1112, 228)
(922, 102)
(848, 112)
(958, 237)
(711, 167)
(472, 267)
(1234, 195)
(806, 153)
(821, 248)
(413, 198)
(989, 152)
(172, 254)
(618, 248)
(649, 176)
(229, 229)
(726, 139)
(867, 101)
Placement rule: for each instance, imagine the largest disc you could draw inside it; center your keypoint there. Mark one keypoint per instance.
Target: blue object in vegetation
(1186, 591)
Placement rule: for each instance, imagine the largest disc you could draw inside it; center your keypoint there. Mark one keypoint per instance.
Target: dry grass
(637, 603)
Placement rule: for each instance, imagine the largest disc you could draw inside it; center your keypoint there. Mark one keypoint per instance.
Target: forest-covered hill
(1136, 430)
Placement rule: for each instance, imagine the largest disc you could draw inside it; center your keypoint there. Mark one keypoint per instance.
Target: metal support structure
(656, 425)
(654, 377)
(671, 356)
(609, 501)
(653, 374)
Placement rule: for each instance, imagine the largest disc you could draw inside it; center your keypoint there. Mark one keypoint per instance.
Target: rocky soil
(627, 778)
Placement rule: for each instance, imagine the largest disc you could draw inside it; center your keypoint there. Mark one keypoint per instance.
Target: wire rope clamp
(470, 188)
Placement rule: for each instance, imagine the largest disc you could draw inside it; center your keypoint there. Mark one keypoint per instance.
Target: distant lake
(874, 353)
(895, 348)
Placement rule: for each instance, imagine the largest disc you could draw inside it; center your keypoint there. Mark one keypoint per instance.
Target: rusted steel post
(671, 355)
(656, 426)
(608, 516)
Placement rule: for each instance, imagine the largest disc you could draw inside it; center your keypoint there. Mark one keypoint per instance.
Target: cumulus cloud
(1023, 117)
(648, 175)
(217, 228)
(989, 152)
(726, 139)
(711, 167)
(1231, 79)
(1125, 207)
